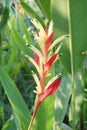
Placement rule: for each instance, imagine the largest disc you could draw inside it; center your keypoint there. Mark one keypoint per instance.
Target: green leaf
(6, 3)
(5, 17)
(1, 113)
(20, 42)
(12, 58)
(44, 118)
(79, 89)
(62, 99)
(26, 32)
(15, 100)
(45, 6)
(65, 127)
(9, 125)
(31, 12)
(77, 25)
(72, 19)
(85, 94)
(5, 12)
(70, 15)
(60, 19)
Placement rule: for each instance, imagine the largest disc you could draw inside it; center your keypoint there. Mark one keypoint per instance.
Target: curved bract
(43, 61)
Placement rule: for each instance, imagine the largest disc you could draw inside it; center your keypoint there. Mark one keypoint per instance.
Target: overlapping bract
(43, 61)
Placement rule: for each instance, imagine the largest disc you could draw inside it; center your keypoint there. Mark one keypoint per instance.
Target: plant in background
(43, 61)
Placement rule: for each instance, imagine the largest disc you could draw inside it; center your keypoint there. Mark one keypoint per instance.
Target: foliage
(68, 107)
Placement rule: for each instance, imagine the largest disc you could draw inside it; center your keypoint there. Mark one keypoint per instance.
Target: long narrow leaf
(72, 20)
(62, 99)
(44, 118)
(27, 33)
(31, 12)
(15, 100)
(45, 6)
(9, 125)
(6, 11)
(20, 42)
(78, 98)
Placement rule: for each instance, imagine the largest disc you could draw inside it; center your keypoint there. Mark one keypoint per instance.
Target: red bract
(51, 89)
(44, 94)
(49, 63)
(46, 31)
(48, 42)
(36, 58)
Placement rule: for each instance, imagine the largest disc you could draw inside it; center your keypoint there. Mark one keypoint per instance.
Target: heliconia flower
(43, 61)
(44, 94)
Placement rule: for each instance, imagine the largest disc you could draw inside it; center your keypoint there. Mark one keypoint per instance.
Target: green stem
(72, 68)
(33, 116)
(73, 105)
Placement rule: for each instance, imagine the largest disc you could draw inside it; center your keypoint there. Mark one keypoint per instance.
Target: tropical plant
(67, 108)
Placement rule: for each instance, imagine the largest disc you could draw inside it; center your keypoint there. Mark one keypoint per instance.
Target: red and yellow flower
(43, 61)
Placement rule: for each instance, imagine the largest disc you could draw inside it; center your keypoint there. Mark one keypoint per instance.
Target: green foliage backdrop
(69, 17)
